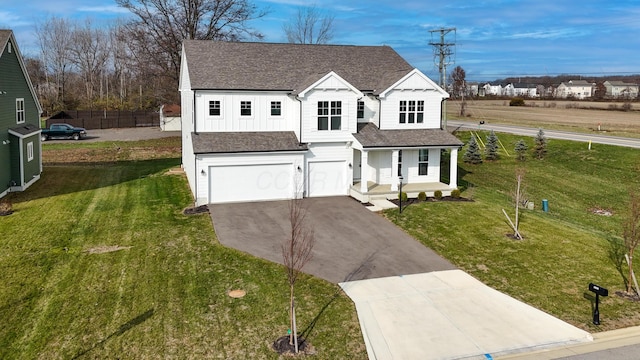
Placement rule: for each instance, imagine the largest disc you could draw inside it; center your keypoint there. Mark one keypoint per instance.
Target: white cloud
(103, 9)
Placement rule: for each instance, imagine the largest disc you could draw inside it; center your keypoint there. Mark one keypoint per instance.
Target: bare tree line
(135, 63)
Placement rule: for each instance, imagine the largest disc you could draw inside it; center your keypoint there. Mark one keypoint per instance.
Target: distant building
(621, 89)
(575, 89)
(495, 90)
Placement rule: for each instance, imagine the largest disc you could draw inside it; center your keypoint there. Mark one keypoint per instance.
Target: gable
(414, 81)
(14, 74)
(330, 82)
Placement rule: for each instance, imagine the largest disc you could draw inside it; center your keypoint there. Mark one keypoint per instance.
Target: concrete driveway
(352, 243)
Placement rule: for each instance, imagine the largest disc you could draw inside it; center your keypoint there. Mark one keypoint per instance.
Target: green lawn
(563, 250)
(99, 262)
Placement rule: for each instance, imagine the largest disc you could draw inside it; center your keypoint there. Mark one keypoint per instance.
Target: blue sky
(494, 38)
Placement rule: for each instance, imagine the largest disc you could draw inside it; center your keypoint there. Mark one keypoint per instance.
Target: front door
(357, 165)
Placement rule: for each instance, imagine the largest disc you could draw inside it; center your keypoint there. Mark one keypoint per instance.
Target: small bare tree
(519, 198)
(296, 252)
(631, 233)
(310, 26)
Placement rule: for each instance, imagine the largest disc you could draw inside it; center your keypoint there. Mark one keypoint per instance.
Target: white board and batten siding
(414, 86)
(249, 177)
(260, 119)
(327, 169)
(188, 159)
(330, 88)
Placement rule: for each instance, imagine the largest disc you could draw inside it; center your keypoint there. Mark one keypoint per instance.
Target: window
(336, 115)
(214, 108)
(324, 109)
(9, 48)
(19, 111)
(30, 151)
(276, 108)
(400, 163)
(423, 161)
(360, 109)
(411, 111)
(245, 108)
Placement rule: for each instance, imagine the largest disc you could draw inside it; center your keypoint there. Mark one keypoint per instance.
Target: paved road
(551, 134)
(352, 243)
(124, 134)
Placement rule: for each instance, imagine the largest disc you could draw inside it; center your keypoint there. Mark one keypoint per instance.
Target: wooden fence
(101, 119)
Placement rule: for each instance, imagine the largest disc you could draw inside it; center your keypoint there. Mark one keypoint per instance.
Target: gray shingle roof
(238, 142)
(4, 38)
(290, 67)
(370, 136)
(25, 130)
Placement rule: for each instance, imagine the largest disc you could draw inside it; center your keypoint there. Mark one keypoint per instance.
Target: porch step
(381, 204)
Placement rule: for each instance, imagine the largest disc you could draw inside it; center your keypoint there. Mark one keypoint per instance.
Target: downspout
(443, 114)
(195, 157)
(300, 128)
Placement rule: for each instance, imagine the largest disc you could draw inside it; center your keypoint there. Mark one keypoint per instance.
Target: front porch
(384, 191)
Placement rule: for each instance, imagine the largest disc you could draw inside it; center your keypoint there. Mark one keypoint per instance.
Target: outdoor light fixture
(350, 166)
(299, 168)
(202, 172)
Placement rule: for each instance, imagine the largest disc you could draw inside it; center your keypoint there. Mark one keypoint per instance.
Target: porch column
(394, 170)
(364, 171)
(453, 169)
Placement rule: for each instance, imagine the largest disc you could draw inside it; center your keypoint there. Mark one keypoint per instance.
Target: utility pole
(442, 52)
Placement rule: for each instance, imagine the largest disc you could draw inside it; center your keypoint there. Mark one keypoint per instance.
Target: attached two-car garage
(236, 183)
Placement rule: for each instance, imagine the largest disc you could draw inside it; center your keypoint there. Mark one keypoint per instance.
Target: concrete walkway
(450, 315)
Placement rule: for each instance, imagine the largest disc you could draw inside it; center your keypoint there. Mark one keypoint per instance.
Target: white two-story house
(264, 121)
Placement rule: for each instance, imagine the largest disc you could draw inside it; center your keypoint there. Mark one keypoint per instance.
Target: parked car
(63, 131)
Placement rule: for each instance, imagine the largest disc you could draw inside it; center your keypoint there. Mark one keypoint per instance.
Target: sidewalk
(601, 341)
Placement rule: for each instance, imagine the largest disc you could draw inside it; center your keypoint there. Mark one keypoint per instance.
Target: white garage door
(250, 182)
(327, 178)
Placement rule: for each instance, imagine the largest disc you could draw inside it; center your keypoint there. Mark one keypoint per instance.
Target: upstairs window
(423, 161)
(214, 108)
(245, 108)
(19, 111)
(411, 111)
(360, 109)
(329, 110)
(276, 108)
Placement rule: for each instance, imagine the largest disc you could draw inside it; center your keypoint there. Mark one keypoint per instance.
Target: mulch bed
(202, 209)
(625, 295)
(429, 199)
(282, 346)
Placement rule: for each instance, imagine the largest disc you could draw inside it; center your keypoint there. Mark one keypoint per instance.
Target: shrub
(540, 146)
(455, 193)
(403, 196)
(422, 196)
(516, 102)
(491, 151)
(437, 194)
(472, 155)
(627, 106)
(5, 207)
(521, 149)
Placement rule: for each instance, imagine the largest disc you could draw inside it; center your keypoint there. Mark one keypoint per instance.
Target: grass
(563, 251)
(98, 261)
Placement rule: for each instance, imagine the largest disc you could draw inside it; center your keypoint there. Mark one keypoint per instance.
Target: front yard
(563, 250)
(98, 261)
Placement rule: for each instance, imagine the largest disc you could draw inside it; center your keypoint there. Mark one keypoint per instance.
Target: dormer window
(411, 111)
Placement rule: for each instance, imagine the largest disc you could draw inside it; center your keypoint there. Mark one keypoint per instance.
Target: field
(578, 116)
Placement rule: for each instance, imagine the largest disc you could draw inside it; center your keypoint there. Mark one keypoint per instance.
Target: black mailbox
(598, 290)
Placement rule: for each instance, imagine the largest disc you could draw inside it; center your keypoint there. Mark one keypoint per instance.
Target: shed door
(237, 183)
(327, 178)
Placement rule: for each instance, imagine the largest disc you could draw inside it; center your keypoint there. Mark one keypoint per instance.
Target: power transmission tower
(443, 52)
